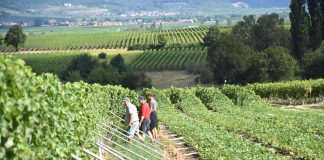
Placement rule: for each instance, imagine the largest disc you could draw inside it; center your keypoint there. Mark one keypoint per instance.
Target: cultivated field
(111, 40)
(230, 122)
(57, 61)
(169, 59)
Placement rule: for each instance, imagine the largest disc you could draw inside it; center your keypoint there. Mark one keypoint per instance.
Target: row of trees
(233, 61)
(90, 70)
(261, 50)
(307, 25)
(268, 30)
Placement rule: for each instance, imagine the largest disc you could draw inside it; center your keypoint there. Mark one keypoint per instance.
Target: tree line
(86, 68)
(264, 50)
(307, 25)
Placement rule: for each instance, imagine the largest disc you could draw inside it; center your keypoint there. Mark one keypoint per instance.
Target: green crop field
(57, 61)
(169, 59)
(231, 122)
(48, 63)
(234, 123)
(163, 59)
(100, 40)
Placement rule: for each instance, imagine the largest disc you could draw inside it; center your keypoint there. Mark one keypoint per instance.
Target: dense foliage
(299, 27)
(42, 118)
(102, 55)
(306, 26)
(256, 50)
(289, 90)
(1, 40)
(201, 135)
(85, 67)
(118, 63)
(213, 99)
(313, 64)
(280, 64)
(240, 96)
(265, 129)
(83, 63)
(15, 36)
(316, 22)
(261, 33)
(228, 59)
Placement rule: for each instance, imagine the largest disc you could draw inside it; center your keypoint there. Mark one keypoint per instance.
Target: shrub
(103, 76)
(119, 63)
(314, 64)
(228, 59)
(133, 80)
(241, 96)
(102, 55)
(74, 76)
(83, 63)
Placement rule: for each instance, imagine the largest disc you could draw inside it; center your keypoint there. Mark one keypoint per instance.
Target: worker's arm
(142, 118)
(131, 118)
(142, 115)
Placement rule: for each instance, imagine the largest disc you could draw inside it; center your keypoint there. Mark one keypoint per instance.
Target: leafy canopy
(228, 59)
(15, 36)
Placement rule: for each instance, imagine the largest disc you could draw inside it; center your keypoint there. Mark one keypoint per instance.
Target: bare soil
(175, 146)
(166, 79)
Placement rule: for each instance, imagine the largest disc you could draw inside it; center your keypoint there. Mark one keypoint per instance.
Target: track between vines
(179, 149)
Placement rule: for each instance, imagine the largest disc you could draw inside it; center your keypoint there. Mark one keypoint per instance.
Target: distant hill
(265, 3)
(111, 7)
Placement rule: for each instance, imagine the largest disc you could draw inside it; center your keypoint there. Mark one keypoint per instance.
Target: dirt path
(175, 146)
(166, 79)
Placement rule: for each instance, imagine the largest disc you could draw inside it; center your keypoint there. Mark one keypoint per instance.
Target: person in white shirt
(131, 119)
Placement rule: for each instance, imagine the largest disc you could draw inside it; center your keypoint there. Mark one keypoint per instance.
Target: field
(100, 40)
(57, 61)
(53, 52)
(148, 60)
(43, 118)
(169, 59)
(230, 122)
(245, 129)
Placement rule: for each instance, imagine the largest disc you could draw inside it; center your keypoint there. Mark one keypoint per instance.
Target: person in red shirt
(144, 117)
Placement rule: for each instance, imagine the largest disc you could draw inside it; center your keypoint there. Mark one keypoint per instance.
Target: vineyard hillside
(44, 118)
